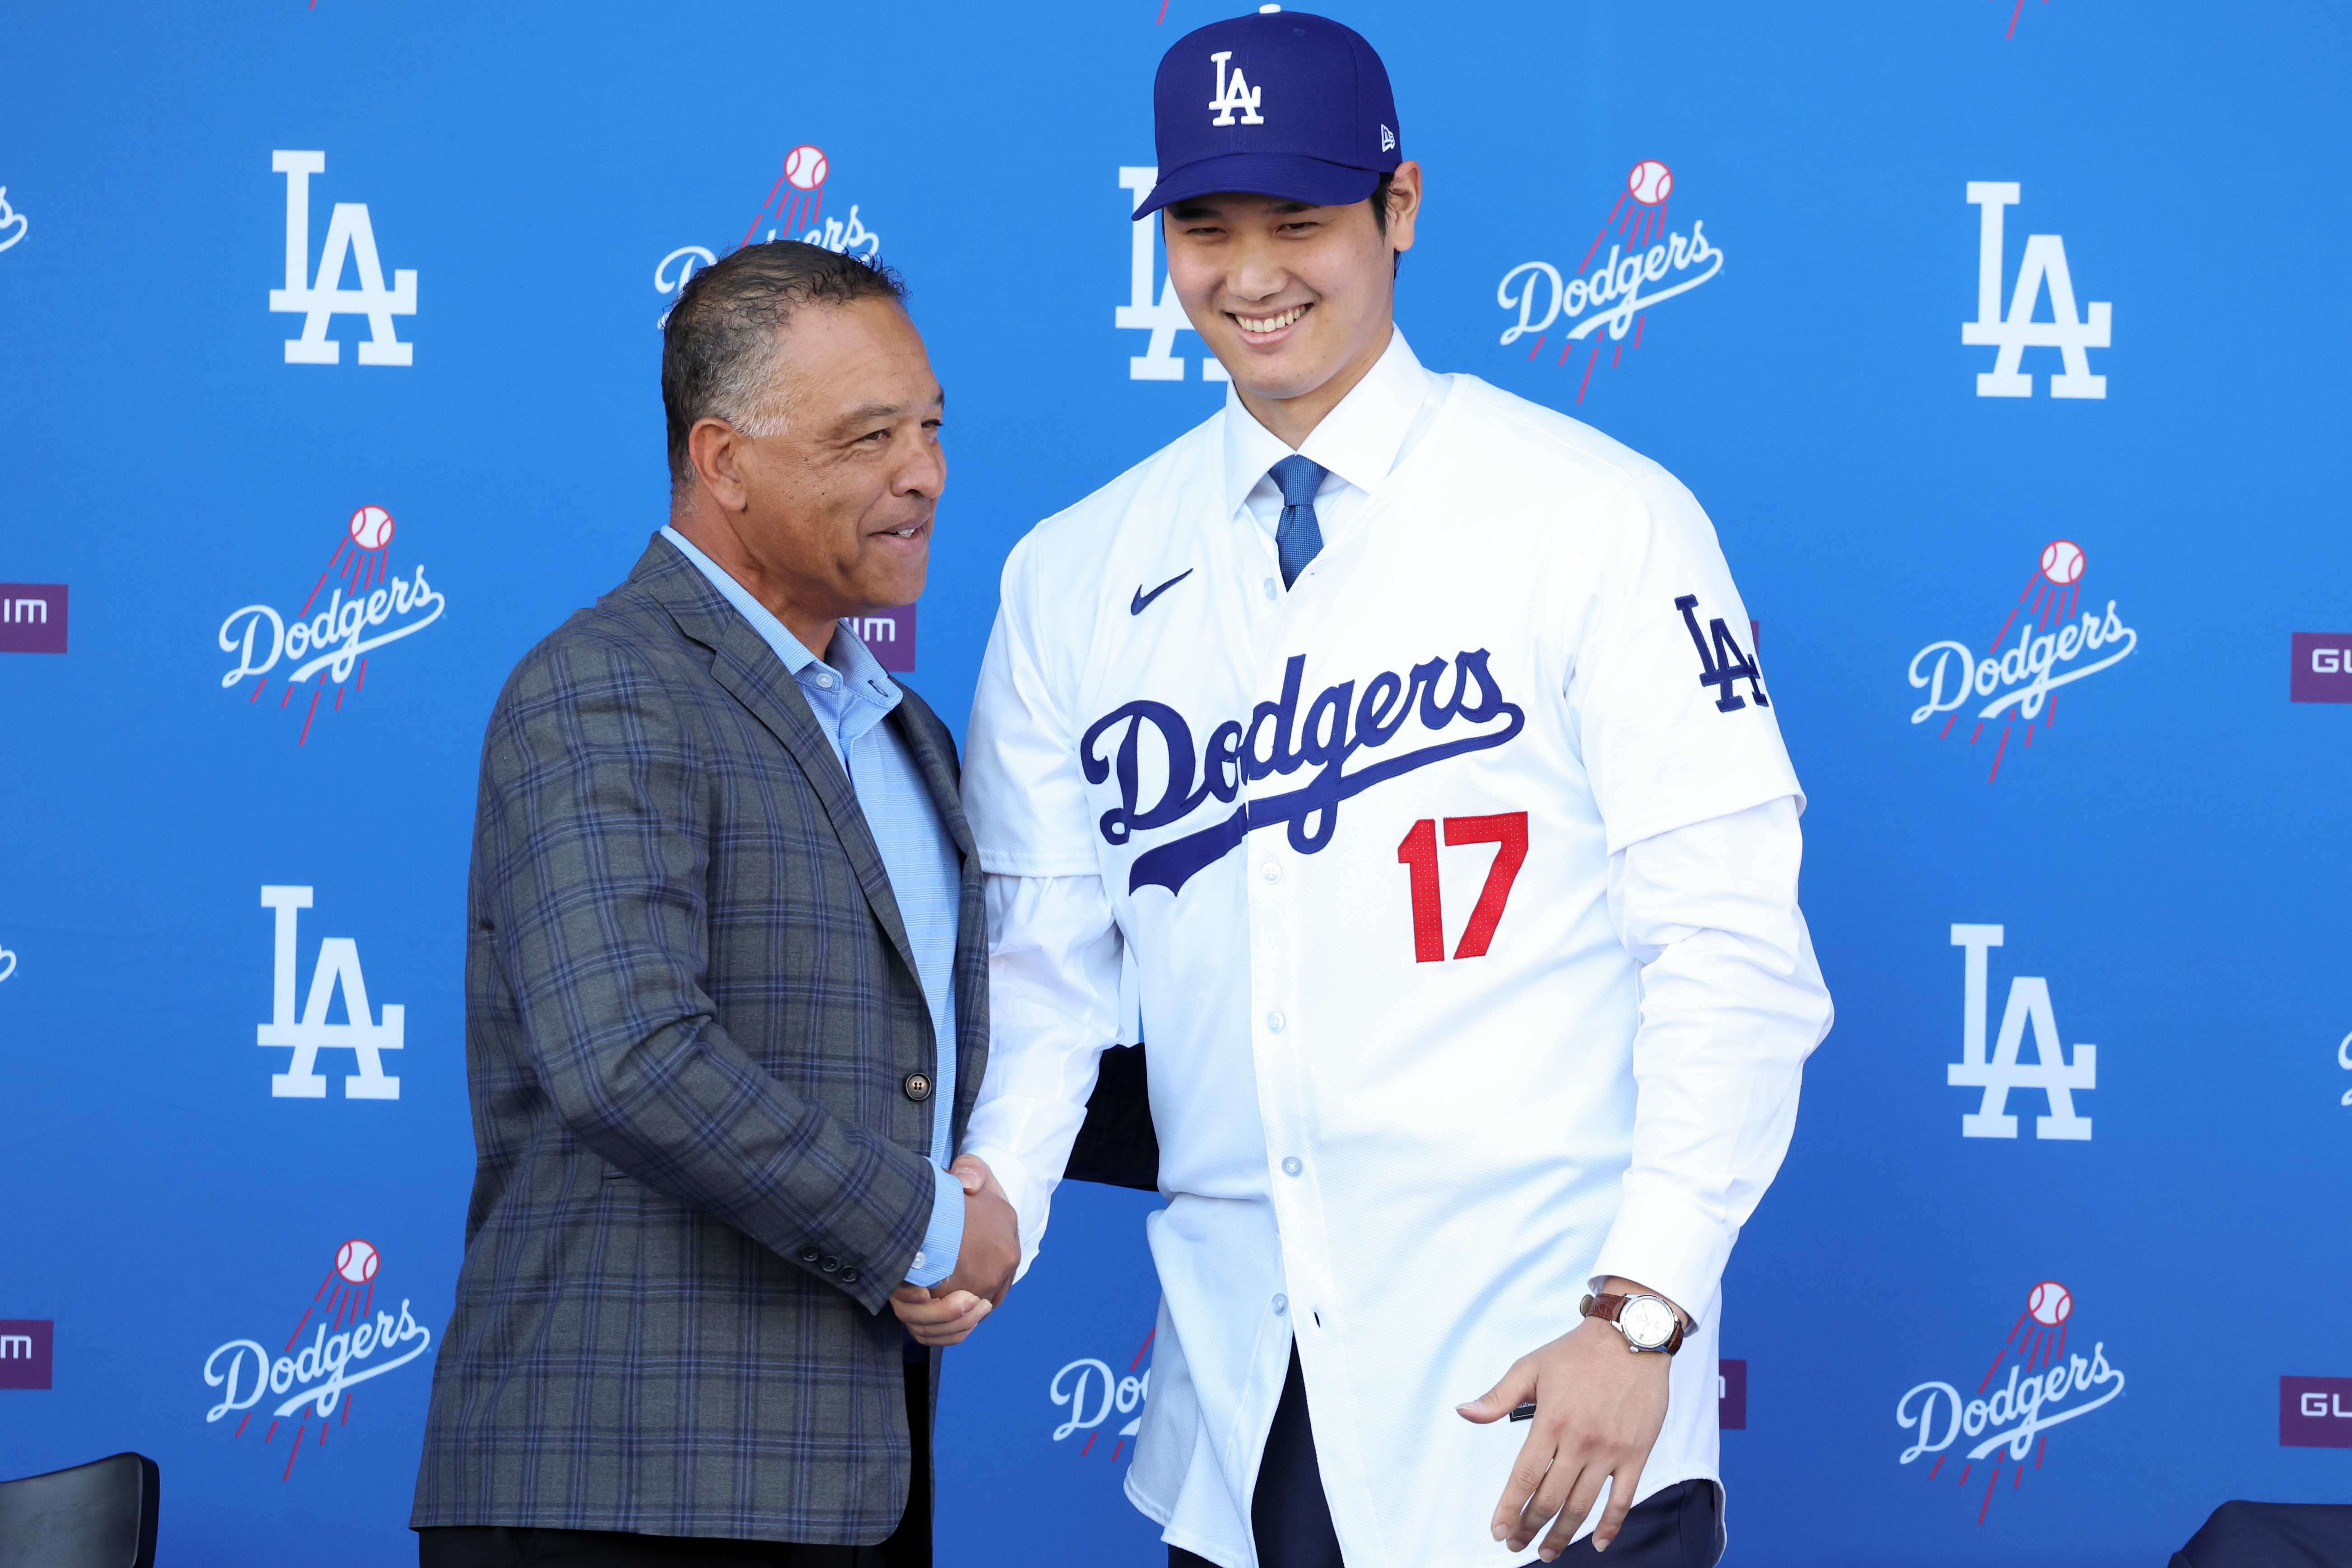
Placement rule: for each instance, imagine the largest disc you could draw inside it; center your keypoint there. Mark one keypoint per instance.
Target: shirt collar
(1359, 440)
(861, 673)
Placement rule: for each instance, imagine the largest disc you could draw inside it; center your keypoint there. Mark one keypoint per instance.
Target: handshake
(946, 1314)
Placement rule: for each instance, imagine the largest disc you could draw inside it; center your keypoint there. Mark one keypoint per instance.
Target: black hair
(719, 345)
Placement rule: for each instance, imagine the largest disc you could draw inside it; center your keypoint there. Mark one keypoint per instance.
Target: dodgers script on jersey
(1352, 845)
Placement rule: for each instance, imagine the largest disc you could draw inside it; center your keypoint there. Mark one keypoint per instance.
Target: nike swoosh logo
(1143, 600)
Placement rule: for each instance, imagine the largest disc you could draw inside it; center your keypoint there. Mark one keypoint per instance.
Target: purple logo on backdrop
(26, 1344)
(1731, 1396)
(889, 636)
(32, 617)
(2322, 667)
(2313, 1411)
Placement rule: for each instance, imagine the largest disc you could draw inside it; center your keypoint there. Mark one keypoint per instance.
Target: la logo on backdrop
(2047, 1386)
(2044, 266)
(352, 1341)
(2017, 683)
(1648, 262)
(361, 1032)
(317, 298)
(1999, 1072)
(333, 632)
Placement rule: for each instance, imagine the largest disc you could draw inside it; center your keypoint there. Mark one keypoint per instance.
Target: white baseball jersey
(1455, 889)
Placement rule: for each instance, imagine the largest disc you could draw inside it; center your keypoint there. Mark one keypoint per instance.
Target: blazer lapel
(938, 765)
(747, 668)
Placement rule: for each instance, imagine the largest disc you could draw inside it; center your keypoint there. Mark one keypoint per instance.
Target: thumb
(1518, 1386)
(973, 1171)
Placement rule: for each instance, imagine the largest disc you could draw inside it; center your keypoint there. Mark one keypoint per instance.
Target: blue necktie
(1300, 538)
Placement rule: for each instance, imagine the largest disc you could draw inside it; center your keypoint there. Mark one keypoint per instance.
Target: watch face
(1647, 1322)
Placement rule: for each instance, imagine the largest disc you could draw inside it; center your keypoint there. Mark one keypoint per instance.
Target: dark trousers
(499, 1546)
(1681, 1527)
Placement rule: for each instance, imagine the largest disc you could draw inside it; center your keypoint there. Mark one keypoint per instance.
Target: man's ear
(1404, 203)
(715, 447)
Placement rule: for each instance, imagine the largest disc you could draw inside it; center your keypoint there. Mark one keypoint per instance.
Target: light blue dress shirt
(850, 695)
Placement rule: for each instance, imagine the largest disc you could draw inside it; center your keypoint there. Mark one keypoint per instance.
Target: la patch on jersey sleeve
(1673, 711)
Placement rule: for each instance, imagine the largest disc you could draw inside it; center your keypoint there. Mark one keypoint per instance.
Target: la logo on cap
(1234, 92)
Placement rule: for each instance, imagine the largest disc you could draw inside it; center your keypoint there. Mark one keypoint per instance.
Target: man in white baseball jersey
(1395, 744)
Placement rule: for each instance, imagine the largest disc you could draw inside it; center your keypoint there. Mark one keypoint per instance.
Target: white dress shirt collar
(1359, 441)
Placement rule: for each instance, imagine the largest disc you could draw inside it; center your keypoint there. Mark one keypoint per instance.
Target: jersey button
(1270, 591)
(1291, 1167)
(1272, 873)
(1281, 1305)
(1274, 1021)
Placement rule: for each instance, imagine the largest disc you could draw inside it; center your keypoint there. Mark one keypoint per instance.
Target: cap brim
(1287, 176)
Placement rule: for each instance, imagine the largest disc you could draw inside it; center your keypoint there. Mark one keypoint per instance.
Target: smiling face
(1296, 302)
(831, 514)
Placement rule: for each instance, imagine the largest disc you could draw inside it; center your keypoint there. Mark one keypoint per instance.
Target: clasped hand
(1599, 1408)
(946, 1314)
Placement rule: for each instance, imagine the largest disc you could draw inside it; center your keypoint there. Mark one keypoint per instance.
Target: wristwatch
(1648, 1323)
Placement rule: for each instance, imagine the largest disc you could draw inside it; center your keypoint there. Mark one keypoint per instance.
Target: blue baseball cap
(1279, 104)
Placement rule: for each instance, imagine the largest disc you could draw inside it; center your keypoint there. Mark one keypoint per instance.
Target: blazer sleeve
(597, 863)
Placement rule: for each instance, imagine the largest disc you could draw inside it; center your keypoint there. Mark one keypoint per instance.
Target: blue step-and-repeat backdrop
(1996, 335)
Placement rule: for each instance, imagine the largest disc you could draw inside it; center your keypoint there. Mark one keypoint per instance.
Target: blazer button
(830, 1265)
(849, 1277)
(810, 1255)
(918, 1086)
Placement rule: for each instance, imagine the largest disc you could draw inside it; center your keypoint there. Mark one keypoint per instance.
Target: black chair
(100, 1515)
(2272, 1535)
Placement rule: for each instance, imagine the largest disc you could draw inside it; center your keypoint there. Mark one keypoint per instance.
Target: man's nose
(924, 471)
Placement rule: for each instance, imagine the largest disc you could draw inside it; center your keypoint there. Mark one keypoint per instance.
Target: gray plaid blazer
(690, 1016)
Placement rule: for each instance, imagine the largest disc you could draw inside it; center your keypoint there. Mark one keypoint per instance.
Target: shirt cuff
(1663, 1243)
(943, 1242)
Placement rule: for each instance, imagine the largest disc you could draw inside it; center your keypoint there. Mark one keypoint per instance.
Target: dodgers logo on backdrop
(2053, 649)
(2047, 1386)
(350, 235)
(2050, 1073)
(2043, 268)
(1092, 1393)
(14, 225)
(796, 198)
(1325, 740)
(1160, 314)
(367, 608)
(364, 1035)
(352, 1341)
(1647, 264)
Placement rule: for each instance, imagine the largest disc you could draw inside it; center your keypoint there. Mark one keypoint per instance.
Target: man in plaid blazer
(726, 997)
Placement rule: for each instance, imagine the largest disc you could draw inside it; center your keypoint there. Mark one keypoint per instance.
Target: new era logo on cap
(1299, 107)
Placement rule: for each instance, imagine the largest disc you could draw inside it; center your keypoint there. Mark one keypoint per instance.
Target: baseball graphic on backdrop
(1650, 182)
(371, 527)
(2062, 562)
(2050, 1302)
(356, 1261)
(804, 167)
